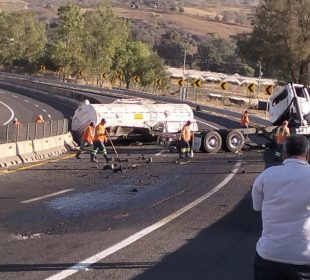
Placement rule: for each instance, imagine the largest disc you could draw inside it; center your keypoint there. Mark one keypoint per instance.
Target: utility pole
(182, 90)
(259, 80)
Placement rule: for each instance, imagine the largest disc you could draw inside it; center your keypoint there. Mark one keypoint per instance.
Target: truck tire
(212, 142)
(234, 141)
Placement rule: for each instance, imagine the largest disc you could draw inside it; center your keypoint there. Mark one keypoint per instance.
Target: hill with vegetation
(229, 36)
(197, 17)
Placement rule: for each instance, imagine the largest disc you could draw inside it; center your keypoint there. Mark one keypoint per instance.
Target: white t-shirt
(282, 193)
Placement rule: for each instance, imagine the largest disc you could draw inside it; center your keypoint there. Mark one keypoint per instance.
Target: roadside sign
(198, 83)
(269, 89)
(158, 82)
(181, 82)
(43, 68)
(251, 87)
(120, 76)
(104, 75)
(224, 85)
(137, 79)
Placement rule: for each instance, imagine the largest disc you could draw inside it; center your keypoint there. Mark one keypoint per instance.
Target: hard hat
(15, 120)
(40, 117)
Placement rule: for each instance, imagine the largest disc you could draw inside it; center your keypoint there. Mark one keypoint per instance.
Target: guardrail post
(51, 130)
(63, 126)
(44, 129)
(27, 132)
(7, 133)
(57, 127)
(35, 130)
(16, 133)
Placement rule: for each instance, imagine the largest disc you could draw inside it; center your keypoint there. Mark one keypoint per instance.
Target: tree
(104, 34)
(66, 49)
(218, 55)
(129, 58)
(173, 45)
(22, 40)
(150, 69)
(280, 39)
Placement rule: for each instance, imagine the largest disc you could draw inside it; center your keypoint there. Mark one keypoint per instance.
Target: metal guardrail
(30, 131)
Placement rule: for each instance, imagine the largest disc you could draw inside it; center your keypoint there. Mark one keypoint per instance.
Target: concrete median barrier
(25, 151)
(9, 155)
(34, 150)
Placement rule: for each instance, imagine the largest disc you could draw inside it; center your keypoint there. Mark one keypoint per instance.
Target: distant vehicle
(134, 118)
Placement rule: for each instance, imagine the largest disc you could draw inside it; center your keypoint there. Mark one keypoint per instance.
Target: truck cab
(292, 103)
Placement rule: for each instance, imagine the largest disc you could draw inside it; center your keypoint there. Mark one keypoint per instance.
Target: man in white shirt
(282, 193)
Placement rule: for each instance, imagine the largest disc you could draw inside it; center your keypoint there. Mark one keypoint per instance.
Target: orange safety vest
(245, 120)
(281, 134)
(88, 134)
(39, 120)
(186, 133)
(100, 133)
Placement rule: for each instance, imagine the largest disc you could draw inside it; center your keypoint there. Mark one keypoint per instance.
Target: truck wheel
(234, 141)
(212, 142)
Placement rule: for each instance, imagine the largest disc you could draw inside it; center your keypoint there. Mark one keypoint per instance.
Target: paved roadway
(26, 107)
(157, 220)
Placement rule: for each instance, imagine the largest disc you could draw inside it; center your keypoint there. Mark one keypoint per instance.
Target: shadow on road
(63, 266)
(223, 251)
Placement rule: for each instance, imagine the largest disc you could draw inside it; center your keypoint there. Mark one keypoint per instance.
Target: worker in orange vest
(245, 120)
(87, 139)
(16, 122)
(100, 138)
(281, 134)
(39, 119)
(186, 136)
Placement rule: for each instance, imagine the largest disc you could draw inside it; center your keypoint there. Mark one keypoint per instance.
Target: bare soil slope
(198, 25)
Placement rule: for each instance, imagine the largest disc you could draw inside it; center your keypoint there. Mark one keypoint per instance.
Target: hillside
(197, 25)
(198, 17)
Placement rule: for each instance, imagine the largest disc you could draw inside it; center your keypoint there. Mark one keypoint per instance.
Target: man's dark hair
(297, 145)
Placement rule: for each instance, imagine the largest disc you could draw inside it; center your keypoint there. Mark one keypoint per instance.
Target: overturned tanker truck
(146, 119)
(290, 102)
(138, 119)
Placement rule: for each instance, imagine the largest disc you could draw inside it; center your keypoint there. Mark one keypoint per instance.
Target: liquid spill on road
(83, 203)
(126, 195)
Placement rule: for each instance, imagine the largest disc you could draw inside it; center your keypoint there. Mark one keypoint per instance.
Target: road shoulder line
(142, 233)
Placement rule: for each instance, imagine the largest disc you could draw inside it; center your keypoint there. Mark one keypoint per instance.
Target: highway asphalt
(26, 108)
(69, 219)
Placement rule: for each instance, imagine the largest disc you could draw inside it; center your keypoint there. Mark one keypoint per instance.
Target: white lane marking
(26, 100)
(44, 110)
(140, 234)
(207, 124)
(11, 111)
(158, 154)
(15, 96)
(47, 196)
(36, 105)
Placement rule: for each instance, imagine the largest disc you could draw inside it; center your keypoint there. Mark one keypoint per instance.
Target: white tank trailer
(134, 118)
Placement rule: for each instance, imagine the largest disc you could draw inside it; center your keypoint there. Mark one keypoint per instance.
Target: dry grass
(186, 22)
(215, 10)
(13, 5)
